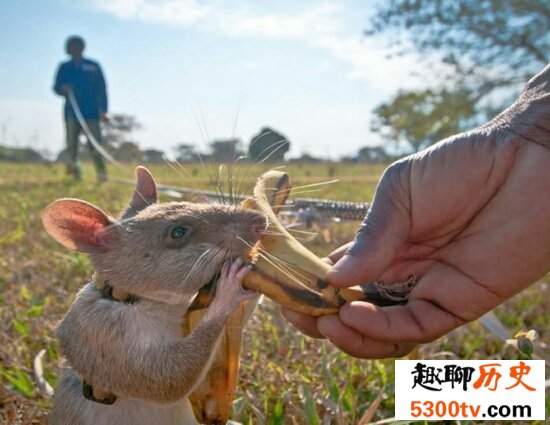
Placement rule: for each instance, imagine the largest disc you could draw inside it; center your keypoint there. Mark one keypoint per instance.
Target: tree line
(267, 145)
(480, 52)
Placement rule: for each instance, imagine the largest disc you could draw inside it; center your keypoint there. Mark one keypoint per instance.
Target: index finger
(381, 234)
(338, 253)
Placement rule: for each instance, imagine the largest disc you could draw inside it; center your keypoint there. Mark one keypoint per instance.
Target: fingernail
(239, 261)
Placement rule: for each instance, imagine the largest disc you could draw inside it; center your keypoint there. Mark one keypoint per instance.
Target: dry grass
(286, 377)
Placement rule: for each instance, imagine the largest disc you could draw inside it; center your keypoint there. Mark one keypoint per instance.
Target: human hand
(468, 215)
(230, 292)
(66, 89)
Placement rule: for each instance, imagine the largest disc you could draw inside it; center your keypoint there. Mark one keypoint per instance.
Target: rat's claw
(235, 267)
(243, 272)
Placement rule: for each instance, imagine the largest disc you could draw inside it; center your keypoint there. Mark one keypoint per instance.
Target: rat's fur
(137, 351)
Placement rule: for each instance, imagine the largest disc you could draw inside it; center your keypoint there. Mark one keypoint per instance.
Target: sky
(193, 71)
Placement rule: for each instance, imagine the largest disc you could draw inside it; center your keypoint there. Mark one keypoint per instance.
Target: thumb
(381, 234)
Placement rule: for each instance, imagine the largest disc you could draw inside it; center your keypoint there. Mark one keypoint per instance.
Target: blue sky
(302, 67)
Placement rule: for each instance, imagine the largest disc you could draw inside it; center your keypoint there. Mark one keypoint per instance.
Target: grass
(285, 377)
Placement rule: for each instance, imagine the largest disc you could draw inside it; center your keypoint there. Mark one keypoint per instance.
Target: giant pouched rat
(133, 350)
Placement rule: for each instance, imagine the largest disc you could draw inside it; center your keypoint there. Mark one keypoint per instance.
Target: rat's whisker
(142, 197)
(241, 183)
(317, 184)
(198, 261)
(217, 174)
(273, 233)
(280, 144)
(282, 234)
(180, 165)
(282, 270)
(205, 137)
(300, 192)
(169, 163)
(305, 232)
(281, 267)
(248, 244)
(219, 182)
(284, 264)
(289, 206)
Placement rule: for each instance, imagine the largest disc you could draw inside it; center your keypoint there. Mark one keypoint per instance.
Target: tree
(489, 48)
(186, 153)
(269, 146)
(373, 155)
(117, 137)
(11, 154)
(153, 156)
(128, 152)
(306, 158)
(119, 129)
(225, 150)
(424, 117)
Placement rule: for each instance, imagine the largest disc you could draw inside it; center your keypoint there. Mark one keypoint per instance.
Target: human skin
(470, 216)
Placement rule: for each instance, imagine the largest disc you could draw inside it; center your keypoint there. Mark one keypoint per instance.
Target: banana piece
(213, 398)
(290, 274)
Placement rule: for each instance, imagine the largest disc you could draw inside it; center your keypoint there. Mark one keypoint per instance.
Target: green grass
(285, 377)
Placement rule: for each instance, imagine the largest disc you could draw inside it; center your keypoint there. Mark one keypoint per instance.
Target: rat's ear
(79, 225)
(145, 193)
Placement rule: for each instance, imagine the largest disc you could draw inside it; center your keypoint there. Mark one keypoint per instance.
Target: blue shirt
(88, 83)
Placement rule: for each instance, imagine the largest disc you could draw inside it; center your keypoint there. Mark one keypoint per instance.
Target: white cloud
(300, 26)
(173, 12)
(319, 26)
(369, 62)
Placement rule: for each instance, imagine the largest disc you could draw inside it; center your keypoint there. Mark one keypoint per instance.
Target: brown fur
(137, 351)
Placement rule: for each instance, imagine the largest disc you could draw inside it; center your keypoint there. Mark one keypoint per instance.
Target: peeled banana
(288, 273)
(291, 275)
(213, 398)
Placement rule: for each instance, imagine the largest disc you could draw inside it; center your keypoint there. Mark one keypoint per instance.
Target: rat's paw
(230, 292)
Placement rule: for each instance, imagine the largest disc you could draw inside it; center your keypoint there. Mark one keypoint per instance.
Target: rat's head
(160, 251)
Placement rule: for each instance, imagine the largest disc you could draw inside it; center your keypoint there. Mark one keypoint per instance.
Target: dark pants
(73, 130)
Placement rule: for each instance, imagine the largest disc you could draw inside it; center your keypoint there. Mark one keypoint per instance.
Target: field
(285, 377)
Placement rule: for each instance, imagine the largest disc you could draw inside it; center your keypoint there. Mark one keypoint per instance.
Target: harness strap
(96, 395)
(109, 292)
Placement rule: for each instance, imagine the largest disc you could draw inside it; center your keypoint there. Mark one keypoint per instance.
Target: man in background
(83, 79)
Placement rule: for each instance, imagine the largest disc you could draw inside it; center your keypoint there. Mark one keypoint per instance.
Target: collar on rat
(112, 293)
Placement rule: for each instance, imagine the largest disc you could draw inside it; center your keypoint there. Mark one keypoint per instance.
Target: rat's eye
(178, 232)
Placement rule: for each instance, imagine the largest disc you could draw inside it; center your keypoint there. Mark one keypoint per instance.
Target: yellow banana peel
(290, 274)
(213, 398)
